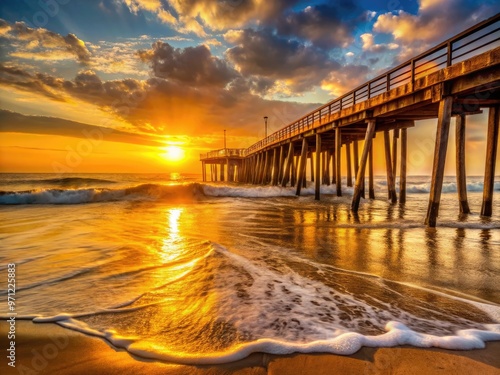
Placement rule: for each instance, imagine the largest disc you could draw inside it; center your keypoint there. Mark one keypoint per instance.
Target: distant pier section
(457, 78)
(229, 159)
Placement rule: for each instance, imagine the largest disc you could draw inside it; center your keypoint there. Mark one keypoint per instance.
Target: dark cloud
(13, 122)
(158, 106)
(43, 44)
(224, 14)
(11, 76)
(323, 25)
(266, 55)
(195, 66)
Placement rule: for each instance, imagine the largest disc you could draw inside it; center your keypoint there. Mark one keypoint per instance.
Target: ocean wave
(151, 191)
(183, 191)
(92, 195)
(62, 181)
(448, 187)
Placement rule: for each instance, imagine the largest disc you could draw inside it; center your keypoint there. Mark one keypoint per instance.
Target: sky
(116, 85)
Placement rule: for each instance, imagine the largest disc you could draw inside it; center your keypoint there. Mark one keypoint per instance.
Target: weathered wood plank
(491, 154)
(318, 167)
(338, 149)
(460, 164)
(370, 130)
(403, 171)
(442, 132)
(302, 166)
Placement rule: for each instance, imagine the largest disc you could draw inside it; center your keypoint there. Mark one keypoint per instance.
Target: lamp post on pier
(224, 139)
(265, 123)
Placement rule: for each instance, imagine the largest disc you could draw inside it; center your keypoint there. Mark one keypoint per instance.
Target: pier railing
(474, 41)
(224, 152)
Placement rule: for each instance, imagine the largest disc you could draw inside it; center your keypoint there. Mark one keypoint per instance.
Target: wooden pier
(458, 77)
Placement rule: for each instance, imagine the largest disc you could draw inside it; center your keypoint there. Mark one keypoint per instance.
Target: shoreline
(47, 348)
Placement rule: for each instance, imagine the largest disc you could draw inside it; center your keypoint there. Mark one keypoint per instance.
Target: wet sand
(51, 349)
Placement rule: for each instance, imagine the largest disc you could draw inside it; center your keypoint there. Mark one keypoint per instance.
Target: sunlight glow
(173, 153)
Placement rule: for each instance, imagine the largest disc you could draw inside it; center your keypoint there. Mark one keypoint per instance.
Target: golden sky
(110, 85)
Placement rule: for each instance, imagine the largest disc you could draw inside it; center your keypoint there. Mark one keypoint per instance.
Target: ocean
(168, 267)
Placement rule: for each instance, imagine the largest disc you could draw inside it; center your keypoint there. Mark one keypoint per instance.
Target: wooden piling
(293, 177)
(328, 156)
(460, 164)
(334, 167)
(371, 182)
(442, 132)
(356, 157)
(394, 153)
(274, 179)
(402, 171)
(348, 161)
(281, 163)
(491, 154)
(312, 168)
(356, 166)
(266, 168)
(338, 149)
(302, 166)
(370, 130)
(288, 165)
(390, 177)
(257, 169)
(318, 167)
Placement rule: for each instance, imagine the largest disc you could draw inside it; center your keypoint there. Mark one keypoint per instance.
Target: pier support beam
(442, 132)
(276, 167)
(391, 186)
(491, 154)
(402, 172)
(338, 149)
(370, 130)
(328, 157)
(371, 182)
(334, 167)
(395, 137)
(318, 167)
(288, 165)
(460, 164)
(356, 166)
(348, 161)
(312, 168)
(302, 166)
(281, 163)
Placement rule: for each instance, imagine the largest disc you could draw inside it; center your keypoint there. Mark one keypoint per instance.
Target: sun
(173, 153)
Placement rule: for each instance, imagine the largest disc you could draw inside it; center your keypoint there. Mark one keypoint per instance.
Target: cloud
(224, 14)
(195, 66)
(42, 44)
(370, 46)
(159, 106)
(195, 16)
(345, 79)
(13, 122)
(16, 77)
(262, 54)
(435, 20)
(322, 25)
